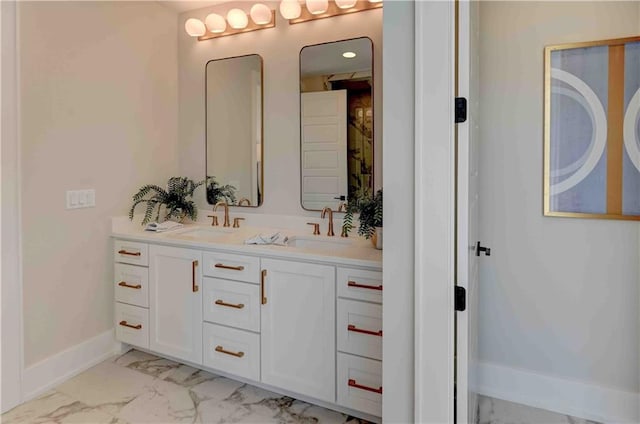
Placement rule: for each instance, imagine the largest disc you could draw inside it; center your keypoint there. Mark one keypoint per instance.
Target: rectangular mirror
(336, 122)
(234, 141)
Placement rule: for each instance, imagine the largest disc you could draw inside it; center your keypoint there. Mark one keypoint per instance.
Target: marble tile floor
(137, 387)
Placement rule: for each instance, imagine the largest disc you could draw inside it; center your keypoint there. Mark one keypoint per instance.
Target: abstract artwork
(592, 130)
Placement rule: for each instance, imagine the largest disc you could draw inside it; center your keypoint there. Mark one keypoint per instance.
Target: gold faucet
(244, 199)
(226, 212)
(324, 211)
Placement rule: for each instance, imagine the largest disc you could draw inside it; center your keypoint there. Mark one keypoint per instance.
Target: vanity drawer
(231, 303)
(360, 284)
(132, 325)
(234, 351)
(231, 267)
(360, 384)
(131, 252)
(131, 284)
(359, 328)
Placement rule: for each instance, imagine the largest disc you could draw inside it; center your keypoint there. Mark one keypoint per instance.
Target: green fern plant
(370, 209)
(176, 200)
(217, 192)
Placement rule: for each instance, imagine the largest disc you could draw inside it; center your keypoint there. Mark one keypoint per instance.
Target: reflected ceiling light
(349, 55)
(317, 7)
(290, 9)
(237, 19)
(215, 23)
(345, 4)
(375, 1)
(194, 27)
(260, 14)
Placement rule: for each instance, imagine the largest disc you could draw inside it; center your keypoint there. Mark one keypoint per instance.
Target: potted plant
(177, 200)
(217, 192)
(370, 209)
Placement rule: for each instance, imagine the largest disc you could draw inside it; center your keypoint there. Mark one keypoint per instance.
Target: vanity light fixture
(215, 23)
(349, 55)
(290, 9)
(194, 27)
(315, 10)
(317, 7)
(237, 22)
(237, 19)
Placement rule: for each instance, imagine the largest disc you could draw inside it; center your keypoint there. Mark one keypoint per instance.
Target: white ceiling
(324, 59)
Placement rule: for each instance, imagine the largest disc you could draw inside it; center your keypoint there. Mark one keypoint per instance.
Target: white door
(298, 328)
(324, 148)
(467, 182)
(175, 304)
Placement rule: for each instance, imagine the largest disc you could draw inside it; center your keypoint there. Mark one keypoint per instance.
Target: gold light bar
(251, 26)
(334, 10)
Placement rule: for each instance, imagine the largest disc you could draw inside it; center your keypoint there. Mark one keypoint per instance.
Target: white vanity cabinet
(298, 327)
(175, 302)
(310, 329)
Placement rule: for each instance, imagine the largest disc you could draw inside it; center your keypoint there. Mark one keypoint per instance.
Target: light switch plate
(77, 199)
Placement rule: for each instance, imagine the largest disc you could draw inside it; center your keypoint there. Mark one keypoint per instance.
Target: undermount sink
(205, 233)
(318, 242)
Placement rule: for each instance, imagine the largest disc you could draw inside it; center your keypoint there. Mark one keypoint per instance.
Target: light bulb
(216, 23)
(194, 27)
(316, 7)
(237, 19)
(290, 9)
(345, 4)
(260, 14)
(349, 55)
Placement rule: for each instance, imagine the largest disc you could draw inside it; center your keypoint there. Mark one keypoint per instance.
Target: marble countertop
(358, 252)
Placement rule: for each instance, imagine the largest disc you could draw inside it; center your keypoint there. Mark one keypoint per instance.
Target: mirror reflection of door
(336, 84)
(234, 130)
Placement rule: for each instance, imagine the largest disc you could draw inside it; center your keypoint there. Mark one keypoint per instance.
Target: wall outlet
(81, 199)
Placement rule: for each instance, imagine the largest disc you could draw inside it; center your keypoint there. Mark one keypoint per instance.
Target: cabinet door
(298, 328)
(175, 302)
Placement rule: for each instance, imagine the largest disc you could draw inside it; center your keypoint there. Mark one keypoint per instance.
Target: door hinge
(461, 109)
(460, 299)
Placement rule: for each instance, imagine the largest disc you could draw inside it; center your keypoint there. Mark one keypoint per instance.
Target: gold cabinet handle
(234, 268)
(194, 286)
(354, 383)
(228, 352)
(355, 329)
(263, 276)
(126, 324)
(124, 252)
(364, 286)
(229, 305)
(123, 284)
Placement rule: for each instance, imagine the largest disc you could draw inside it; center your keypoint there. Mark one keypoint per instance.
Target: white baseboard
(574, 398)
(60, 367)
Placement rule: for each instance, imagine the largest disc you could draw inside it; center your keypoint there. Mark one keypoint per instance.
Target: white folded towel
(163, 226)
(264, 239)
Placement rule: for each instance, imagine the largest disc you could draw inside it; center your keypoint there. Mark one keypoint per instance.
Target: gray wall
(558, 297)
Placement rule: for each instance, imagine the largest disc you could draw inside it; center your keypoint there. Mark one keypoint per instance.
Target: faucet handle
(236, 222)
(316, 228)
(214, 220)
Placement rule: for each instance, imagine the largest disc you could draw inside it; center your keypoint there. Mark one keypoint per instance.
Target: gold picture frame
(586, 75)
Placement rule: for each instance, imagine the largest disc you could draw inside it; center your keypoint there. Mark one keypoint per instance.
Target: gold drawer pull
(135, 327)
(194, 286)
(234, 268)
(229, 305)
(263, 276)
(124, 252)
(123, 284)
(353, 383)
(364, 286)
(355, 329)
(227, 352)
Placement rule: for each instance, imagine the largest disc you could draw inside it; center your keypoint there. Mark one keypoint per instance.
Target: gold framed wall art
(592, 129)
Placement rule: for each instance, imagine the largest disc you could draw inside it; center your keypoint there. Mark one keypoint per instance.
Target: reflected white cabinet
(298, 328)
(175, 302)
